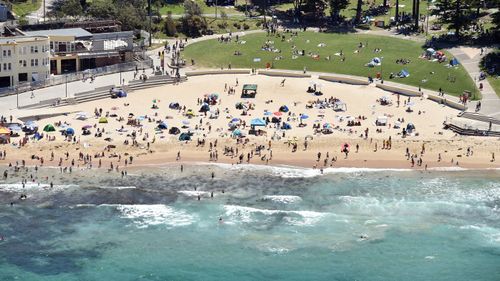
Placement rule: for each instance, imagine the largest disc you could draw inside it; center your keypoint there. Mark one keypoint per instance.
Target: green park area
(23, 8)
(319, 46)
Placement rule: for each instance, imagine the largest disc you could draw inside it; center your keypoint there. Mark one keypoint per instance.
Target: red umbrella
(277, 113)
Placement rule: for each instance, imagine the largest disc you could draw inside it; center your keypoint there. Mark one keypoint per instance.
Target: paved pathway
(490, 103)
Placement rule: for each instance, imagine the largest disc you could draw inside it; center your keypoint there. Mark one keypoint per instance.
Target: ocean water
(277, 223)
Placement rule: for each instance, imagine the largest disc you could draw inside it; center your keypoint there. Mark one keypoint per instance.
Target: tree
(72, 8)
(396, 17)
(456, 13)
(169, 27)
(316, 8)
(359, 10)
(191, 8)
(416, 12)
(336, 6)
(101, 9)
(297, 7)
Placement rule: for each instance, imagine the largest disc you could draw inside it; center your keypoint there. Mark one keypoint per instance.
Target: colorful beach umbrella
(277, 113)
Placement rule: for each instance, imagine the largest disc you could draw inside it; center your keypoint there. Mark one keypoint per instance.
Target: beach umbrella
(235, 120)
(185, 122)
(31, 124)
(267, 113)
(236, 132)
(410, 103)
(103, 120)
(304, 116)
(277, 113)
(327, 126)
(49, 128)
(140, 118)
(70, 131)
(86, 127)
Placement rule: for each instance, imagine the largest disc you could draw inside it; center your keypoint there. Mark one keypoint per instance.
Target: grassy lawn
(178, 8)
(22, 9)
(495, 83)
(221, 54)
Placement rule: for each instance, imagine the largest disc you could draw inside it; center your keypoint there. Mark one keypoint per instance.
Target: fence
(76, 76)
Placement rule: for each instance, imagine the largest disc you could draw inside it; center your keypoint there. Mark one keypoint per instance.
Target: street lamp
(17, 97)
(66, 85)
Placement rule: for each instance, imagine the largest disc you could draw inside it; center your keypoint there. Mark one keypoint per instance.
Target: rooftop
(79, 33)
(19, 39)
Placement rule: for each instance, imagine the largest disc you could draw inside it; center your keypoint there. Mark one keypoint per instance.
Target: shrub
(246, 26)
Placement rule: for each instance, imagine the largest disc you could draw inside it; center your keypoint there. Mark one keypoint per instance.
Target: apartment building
(24, 59)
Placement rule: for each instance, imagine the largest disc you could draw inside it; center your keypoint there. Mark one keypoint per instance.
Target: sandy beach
(429, 145)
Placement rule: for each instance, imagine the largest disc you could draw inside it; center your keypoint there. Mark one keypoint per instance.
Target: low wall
(402, 91)
(224, 71)
(346, 80)
(447, 102)
(284, 74)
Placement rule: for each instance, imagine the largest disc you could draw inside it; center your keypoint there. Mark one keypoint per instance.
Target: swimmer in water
(220, 220)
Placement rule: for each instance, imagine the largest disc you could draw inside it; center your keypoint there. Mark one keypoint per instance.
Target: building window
(36, 62)
(24, 63)
(9, 65)
(32, 62)
(9, 53)
(4, 66)
(4, 53)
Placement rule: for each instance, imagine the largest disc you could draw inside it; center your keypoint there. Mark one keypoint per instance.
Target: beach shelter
(284, 108)
(121, 94)
(190, 113)
(4, 135)
(237, 133)
(185, 137)
(404, 73)
(327, 126)
(204, 108)
(103, 120)
(454, 62)
(162, 126)
(257, 122)
(249, 91)
(304, 116)
(381, 121)
(49, 128)
(174, 131)
(410, 127)
(174, 105)
(70, 131)
(286, 126)
(430, 52)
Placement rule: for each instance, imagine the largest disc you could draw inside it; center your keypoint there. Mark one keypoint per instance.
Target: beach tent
(404, 73)
(185, 137)
(204, 108)
(103, 120)
(454, 62)
(257, 122)
(4, 135)
(174, 105)
(162, 126)
(410, 127)
(174, 131)
(49, 128)
(286, 126)
(430, 52)
(70, 131)
(249, 91)
(381, 121)
(237, 133)
(304, 116)
(121, 94)
(190, 113)
(284, 108)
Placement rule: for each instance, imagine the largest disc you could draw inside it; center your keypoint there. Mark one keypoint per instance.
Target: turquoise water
(277, 224)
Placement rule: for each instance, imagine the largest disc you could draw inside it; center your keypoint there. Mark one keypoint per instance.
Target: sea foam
(147, 215)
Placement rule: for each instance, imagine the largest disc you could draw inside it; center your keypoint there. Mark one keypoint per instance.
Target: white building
(24, 59)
